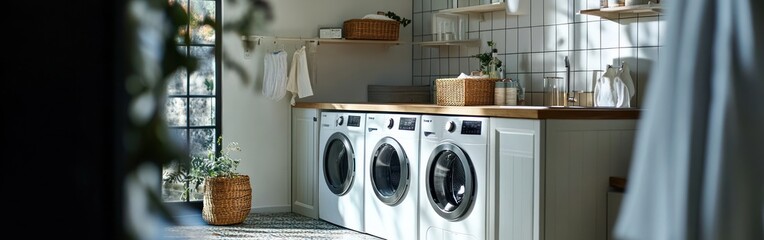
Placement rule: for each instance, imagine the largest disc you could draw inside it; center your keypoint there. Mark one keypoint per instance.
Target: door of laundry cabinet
(305, 161)
(549, 178)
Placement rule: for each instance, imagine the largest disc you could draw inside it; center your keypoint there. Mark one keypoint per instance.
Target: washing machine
(453, 182)
(392, 155)
(341, 169)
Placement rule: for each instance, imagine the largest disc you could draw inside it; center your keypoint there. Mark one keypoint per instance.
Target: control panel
(471, 127)
(354, 121)
(408, 124)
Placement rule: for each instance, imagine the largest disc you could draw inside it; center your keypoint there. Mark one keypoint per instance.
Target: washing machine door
(389, 168)
(339, 164)
(451, 182)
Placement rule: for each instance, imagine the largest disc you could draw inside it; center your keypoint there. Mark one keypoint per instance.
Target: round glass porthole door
(389, 171)
(339, 164)
(450, 182)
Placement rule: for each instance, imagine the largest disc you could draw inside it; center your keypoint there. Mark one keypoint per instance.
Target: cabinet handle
(372, 129)
(315, 119)
(428, 133)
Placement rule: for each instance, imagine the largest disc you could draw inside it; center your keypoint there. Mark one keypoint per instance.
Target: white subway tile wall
(534, 45)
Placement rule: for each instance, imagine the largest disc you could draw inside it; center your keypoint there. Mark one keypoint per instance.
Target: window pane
(199, 10)
(203, 79)
(202, 141)
(197, 193)
(177, 83)
(202, 111)
(175, 111)
(171, 192)
(180, 135)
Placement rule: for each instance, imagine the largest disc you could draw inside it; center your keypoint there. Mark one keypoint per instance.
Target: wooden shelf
(257, 39)
(347, 41)
(482, 9)
(477, 9)
(447, 43)
(615, 12)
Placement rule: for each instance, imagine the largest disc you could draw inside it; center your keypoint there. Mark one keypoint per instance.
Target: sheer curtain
(698, 168)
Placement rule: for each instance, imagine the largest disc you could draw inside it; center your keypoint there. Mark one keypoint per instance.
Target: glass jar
(555, 92)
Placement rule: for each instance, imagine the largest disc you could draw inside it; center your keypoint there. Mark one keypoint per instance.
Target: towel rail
(259, 38)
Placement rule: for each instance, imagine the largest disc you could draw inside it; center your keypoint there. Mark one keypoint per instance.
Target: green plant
(485, 58)
(202, 167)
(402, 21)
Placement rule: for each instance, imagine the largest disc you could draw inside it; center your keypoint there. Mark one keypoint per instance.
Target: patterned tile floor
(266, 226)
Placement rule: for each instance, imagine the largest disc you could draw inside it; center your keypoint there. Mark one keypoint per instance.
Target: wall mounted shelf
(615, 12)
(476, 9)
(518, 7)
(258, 39)
(448, 43)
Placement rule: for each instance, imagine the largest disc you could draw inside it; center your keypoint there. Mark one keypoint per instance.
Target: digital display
(354, 121)
(408, 124)
(471, 127)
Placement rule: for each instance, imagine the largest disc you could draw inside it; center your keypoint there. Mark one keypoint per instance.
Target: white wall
(262, 126)
(534, 45)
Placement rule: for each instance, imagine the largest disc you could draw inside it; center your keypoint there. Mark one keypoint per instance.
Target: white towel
(625, 75)
(299, 76)
(603, 89)
(612, 90)
(377, 17)
(275, 75)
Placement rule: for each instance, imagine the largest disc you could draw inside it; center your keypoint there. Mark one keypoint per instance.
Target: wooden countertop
(531, 112)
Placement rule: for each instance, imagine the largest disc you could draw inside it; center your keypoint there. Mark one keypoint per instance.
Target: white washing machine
(392, 155)
(341, 169)
(453, 182)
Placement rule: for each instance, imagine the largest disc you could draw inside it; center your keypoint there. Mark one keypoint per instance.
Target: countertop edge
(529, 112)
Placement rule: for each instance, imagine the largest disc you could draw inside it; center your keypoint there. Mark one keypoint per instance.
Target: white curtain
(698, 168)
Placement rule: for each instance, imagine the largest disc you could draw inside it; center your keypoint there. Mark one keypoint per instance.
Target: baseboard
(271, 209)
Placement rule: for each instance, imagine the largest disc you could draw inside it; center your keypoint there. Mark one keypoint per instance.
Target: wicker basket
(464, 91)
(227, 200)
(370, 29)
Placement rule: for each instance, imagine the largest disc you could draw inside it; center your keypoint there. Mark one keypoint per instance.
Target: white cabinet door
(305, 161)
(550, 178)
(516, 173)
(581, 157)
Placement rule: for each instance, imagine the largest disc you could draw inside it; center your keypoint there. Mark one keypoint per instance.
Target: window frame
(188, 96)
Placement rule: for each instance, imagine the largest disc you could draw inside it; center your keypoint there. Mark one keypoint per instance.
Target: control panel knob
(390, 123)
(340, 120)
(450, 126)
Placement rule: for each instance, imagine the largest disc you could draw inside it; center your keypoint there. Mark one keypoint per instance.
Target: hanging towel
(275, 75)
(299, 77)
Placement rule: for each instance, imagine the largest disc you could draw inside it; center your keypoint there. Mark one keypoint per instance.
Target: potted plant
(227, 194)
(486, 57)
(402, 20)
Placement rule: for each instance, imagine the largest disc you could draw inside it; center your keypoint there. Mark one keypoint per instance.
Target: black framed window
(193, 108)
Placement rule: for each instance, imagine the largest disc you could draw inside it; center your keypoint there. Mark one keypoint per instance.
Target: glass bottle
(510, 93)
(493, 71)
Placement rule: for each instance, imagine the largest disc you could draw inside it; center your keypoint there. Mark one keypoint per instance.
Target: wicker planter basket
(370, 29)
(227, 200)
(464, 91)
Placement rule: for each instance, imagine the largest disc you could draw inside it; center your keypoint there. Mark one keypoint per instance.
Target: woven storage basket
(370, 29)
(226, 200)
(464, 91)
